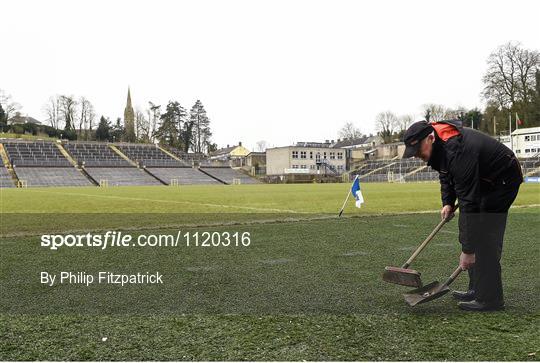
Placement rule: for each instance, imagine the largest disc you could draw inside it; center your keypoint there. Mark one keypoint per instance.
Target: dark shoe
(481, 306)
(463, 295)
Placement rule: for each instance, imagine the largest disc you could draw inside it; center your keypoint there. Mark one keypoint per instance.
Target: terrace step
(121, 154)
(8, 165)
(378, 169)
(415, 171)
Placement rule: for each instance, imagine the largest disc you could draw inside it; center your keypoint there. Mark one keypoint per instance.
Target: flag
(357, 193)
(518, 121)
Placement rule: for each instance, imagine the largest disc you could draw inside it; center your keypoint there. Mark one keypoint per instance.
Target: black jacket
(470, 165)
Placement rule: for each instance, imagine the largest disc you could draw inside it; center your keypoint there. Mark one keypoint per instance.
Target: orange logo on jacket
(444, 131)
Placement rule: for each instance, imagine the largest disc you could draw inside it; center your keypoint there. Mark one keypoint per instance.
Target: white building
(525, 142)
(306, 158)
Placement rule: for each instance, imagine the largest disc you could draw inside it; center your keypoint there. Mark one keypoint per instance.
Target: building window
(303, 166)
(533, 137)
(302, 154)
(527, 138)
(518, 151)
(340, 156)
(527, 150)
(295, 166)
(324, 155)
(311, 154)
(332, 155)
(295, 154)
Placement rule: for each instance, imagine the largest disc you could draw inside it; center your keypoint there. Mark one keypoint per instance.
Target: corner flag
(357, 192)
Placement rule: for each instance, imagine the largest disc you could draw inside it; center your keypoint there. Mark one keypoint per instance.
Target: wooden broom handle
(424, 244)
(454, 275)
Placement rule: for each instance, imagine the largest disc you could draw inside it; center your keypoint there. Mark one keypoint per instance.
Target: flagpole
(346, 199)
(510, 132)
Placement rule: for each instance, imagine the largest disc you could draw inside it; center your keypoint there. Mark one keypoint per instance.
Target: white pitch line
(172, 201)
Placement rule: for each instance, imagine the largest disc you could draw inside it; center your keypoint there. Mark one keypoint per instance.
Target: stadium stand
(95, 154)
(150, 156)
(5, 177)
(182, 175)
(395, 171)
(228, 175)
(102, 163)
(37, 153)
(189, 158)
(44, 163)
(41, 164)
(52, 176)
(531, 166)
(121, 176)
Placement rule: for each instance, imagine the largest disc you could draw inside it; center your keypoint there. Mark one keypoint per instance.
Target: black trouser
(485, 276)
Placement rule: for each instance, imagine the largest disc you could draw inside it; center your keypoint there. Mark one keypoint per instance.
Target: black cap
(414, 134)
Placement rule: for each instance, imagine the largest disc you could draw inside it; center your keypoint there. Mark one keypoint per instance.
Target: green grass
(307, 288)
(9, 135)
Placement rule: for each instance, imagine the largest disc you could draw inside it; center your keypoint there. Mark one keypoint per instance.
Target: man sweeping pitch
(484, 176)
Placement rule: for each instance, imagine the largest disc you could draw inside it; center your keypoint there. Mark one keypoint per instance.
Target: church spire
(129, 119)
(128, 103)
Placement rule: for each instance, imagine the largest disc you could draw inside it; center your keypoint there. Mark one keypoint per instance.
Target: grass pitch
(307, 288)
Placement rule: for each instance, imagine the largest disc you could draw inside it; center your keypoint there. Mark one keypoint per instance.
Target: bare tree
(10, 107)
(262, 145)
(510, 77)
(52, 110)
(68, 108)
(349, 131)
(142, 126)
(386, 123)
(87, 116)
(404, 121)
(154, 115)
(434, 112)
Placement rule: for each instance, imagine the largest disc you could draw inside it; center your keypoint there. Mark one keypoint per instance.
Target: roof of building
(363, 140)
(351, 141)
(528, 130)
(312, 144)
(224, 150)
(19, 119)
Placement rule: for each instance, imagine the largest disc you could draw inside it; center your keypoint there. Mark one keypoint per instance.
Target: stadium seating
(41, 164)
(122, 176)
(104, 164)
(530, 166)
(228, 175)
(52, 176)
(395, 170)
(5, 177)
(189, 158)
(95, 155)
(37, 153)
(150, 156)
(185, 175)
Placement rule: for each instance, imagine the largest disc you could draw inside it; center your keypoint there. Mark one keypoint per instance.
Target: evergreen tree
(117, 132)
(171, 131)
(535, 114)
(102, 131)
(201, 128)
(3, 121)
(472, 118)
